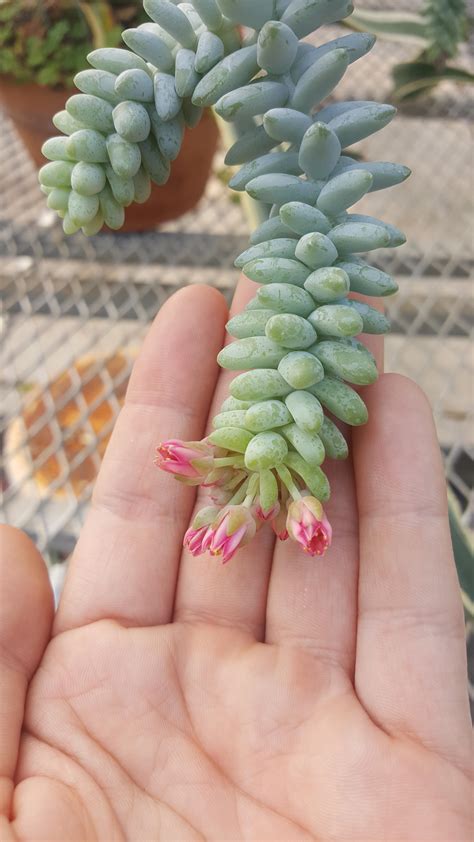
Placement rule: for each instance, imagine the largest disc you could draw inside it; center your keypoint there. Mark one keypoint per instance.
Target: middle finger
(312, 602)
(234, 595)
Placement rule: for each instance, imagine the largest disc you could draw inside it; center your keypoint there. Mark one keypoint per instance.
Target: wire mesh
(75, 310)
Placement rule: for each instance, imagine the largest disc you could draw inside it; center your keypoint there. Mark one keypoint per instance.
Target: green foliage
(47, 42)
(406, 27)
(439, 30)
(446, 27)
(416, 77)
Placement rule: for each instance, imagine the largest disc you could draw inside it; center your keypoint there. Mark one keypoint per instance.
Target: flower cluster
(247, 500)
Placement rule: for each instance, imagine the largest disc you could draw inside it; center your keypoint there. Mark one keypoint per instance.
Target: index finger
(126, 561)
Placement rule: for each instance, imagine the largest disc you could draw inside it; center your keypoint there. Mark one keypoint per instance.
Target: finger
(125, 564)
(312, 603)
(26, 613)
(410, 660)
(236, 594)
(291, 614)
(244, 292)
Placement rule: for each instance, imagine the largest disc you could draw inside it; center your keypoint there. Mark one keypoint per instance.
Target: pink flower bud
(279, 525)
(196, 538)
(234, 528)
(307, 524)
(190, 461)
(193, 540)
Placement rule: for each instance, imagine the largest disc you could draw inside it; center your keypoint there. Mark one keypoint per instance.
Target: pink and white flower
(194, 540)
(307, 524)
(190, 461)
(197, 537)
(234, 528)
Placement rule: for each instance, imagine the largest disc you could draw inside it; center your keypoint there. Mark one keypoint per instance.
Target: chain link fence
(75, 310)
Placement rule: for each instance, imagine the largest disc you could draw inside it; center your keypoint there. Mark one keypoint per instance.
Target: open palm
(277, 698)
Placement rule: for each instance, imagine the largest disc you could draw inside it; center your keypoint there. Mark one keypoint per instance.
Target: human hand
(278, 698)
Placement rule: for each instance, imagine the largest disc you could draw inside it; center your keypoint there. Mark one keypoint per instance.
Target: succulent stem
(296, 343)
(288, 482)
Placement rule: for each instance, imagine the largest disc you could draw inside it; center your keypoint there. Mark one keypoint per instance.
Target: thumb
(26, 614)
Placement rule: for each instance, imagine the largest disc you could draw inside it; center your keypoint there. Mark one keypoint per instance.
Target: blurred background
(75, 310)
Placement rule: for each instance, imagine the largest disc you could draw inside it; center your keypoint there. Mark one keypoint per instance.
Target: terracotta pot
(31, 108)
(187, 183)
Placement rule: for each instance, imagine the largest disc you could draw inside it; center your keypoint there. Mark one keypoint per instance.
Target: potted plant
(43, 45)
(296, 342)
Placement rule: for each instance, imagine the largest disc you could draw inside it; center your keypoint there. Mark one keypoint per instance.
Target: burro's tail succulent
(296, 342)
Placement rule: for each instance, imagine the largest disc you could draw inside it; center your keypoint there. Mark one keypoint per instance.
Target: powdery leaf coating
(274, 162)
(134, 84)
(248, 12)
(290, 331)
(286, 298)
(334, 442)
(319, 80)
(87, 145)
(276, 270)
(316, 250)
(87, 179)
(56, 149)
(259, 384)
(301, 369)
(96, 112)
(150, 47)
(309, 446)
(336, 320)
(254, 351)
(304, 219)
(341, 400)
(330, 283)
(278, 247)
(286, 124)
(131, 121)
(306, 410)
(348, 363)
(265, 451)
(249, 323)
(276, 47)
(265, 415)
(232, 418)
(344, 190)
